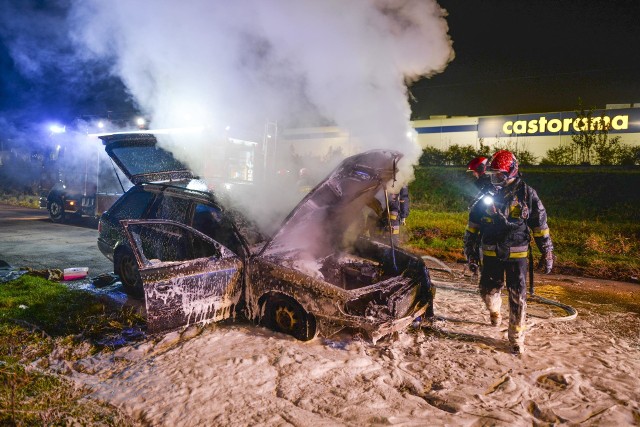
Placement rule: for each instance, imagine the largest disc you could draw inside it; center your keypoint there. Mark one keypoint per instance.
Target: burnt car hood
(317, 225)
(142, 160)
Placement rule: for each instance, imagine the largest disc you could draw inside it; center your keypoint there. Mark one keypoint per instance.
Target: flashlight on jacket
(488, 202)
(488, 198)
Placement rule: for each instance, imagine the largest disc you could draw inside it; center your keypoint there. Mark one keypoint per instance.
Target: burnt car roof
(142, 160)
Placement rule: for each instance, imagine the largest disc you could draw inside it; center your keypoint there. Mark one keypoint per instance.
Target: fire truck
(78, 179)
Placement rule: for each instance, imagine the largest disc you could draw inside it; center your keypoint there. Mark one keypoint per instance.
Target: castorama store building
(536, 133)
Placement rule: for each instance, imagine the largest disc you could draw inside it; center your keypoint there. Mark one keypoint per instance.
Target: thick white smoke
(292, 61)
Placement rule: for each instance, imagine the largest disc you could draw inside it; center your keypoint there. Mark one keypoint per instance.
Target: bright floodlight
(56, 129)
(488, 200)
(140, 121)
(100, 125)
(227, 128)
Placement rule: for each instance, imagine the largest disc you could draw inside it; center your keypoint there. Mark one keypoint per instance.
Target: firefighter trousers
(492, 281)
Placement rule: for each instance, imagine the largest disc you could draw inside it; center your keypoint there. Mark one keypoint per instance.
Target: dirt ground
(455, 371)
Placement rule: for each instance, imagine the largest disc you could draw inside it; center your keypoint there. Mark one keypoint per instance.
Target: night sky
(535, 56)
(511, 57)
(41, 79)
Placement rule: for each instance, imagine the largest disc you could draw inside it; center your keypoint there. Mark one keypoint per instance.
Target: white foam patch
(573, 372)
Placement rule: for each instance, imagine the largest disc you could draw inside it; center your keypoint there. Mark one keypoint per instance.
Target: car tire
(125, 266)
(56, 210)
(284, 314)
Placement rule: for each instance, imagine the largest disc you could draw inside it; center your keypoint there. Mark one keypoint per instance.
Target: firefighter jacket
(502, 229)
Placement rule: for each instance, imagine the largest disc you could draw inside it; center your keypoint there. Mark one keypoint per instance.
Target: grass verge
(23, 200)
(44, 328)
(594, 216)
(596, 248)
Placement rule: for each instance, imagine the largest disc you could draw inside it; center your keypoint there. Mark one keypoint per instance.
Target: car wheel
(125, 265)
(56, 210)
(285, 315)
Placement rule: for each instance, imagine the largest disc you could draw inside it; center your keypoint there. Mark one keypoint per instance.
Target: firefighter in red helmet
(499, 231)
(478, 165)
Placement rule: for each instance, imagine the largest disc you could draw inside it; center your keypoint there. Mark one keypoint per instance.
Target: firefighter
(502, 222)
(398, 212)
(478, 166)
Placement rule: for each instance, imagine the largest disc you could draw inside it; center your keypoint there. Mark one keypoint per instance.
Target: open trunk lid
(142, 160)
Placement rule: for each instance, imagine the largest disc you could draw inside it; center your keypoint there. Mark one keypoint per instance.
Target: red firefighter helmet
(504, 161)
(478, 165)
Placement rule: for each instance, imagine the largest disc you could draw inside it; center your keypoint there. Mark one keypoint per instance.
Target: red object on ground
(75, 273)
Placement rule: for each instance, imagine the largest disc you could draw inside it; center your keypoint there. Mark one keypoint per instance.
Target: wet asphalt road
(29, 239)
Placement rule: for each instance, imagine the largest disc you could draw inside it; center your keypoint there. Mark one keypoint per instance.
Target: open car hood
(141, 160)
(317, 226)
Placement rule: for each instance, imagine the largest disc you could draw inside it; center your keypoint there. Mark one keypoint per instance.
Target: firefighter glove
(546, 262)
(403, 221)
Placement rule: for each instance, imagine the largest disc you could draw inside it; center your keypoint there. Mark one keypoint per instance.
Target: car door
(187, 276)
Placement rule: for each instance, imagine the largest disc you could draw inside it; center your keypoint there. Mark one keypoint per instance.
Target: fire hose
(532, 297)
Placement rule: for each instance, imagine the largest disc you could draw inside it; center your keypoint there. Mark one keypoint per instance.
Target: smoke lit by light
(57, 128)
(265, 66)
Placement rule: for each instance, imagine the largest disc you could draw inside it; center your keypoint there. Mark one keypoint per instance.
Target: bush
(461, 155)
(562, 155)
(431, 156)
(628, 155)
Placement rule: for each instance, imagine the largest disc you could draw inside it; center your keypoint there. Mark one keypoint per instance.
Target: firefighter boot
(516, 348)
(516, 339)
(496, 318)
(493, 302)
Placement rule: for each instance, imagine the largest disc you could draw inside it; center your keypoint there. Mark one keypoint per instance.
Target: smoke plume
(296, 62)
(244, 64)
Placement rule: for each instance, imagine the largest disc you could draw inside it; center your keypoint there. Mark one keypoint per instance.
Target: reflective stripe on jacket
(514, 251)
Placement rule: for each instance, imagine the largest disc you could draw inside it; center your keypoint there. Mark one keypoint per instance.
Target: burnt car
(316, 275)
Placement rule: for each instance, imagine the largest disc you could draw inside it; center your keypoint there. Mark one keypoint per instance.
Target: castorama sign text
(566, 123)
